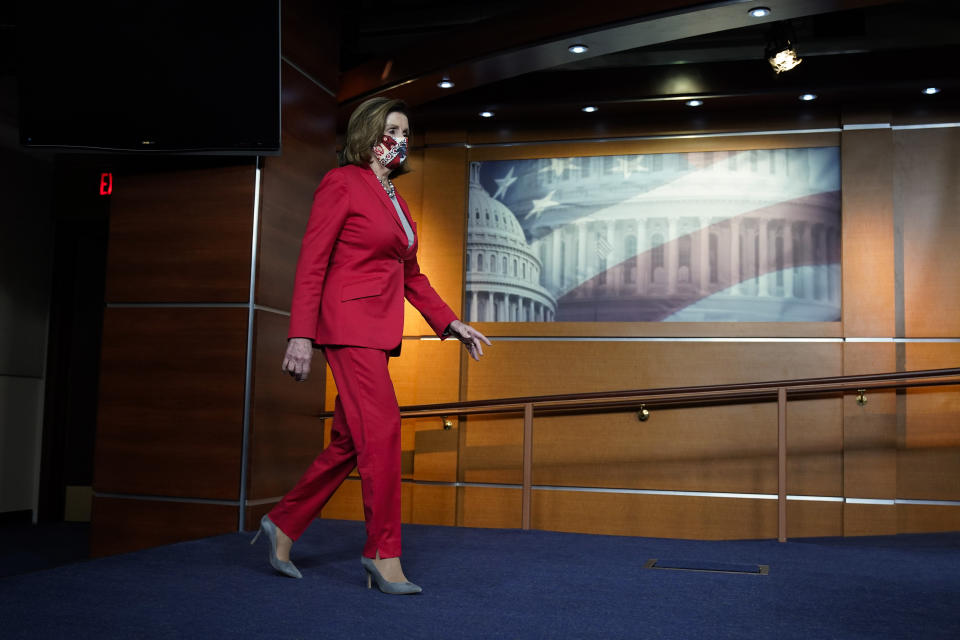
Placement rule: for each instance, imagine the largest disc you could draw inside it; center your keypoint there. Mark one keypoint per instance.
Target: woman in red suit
(358, 262)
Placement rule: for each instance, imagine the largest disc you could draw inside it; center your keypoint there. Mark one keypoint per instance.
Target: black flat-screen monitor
(167, 75)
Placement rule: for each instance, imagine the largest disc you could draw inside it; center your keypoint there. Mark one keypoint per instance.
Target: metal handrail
(778, 390)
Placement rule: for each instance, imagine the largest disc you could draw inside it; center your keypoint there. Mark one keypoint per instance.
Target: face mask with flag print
(391, 152)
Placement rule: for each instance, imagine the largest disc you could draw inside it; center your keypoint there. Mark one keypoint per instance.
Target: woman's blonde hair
(365, 129)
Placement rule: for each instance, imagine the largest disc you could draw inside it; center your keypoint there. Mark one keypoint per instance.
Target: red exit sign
(106, 184)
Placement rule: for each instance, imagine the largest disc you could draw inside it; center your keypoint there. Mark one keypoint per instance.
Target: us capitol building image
(503, 272)
(706, 236)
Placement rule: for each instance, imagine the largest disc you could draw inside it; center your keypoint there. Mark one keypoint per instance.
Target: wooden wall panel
(870, 519)
(728, 449)
(181, 236)
(124, 525)
(867, 158)
(171, 402)
(285, 432)
(346, 503)
(520, 368)
(288, 182)
(927, 196)
(915, 518)
(434, 504)
(870, 431)
(492, 448)
(679, 516)
(440, 226)
(253, 514)
(928, 466)
(489, 507)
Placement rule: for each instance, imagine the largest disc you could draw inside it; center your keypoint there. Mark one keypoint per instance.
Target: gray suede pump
(286, 568)
(393, 588)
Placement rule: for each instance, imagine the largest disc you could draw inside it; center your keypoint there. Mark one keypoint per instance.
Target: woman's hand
(470, 337)
(296, 361)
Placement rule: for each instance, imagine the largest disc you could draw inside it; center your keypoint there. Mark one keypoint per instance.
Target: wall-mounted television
(161, 76)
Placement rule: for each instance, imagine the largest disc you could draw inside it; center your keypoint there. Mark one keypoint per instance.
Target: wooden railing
(647, 399)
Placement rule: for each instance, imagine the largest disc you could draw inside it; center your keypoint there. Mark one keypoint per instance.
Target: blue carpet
(500, 584)
(27, 547)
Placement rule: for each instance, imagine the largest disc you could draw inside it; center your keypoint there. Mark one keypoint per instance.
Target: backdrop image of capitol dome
(738, 236)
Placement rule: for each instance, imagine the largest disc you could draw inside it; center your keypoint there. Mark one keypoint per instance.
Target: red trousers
(365, 434)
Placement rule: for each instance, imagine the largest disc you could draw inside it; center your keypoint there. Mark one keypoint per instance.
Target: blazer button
(400, 260)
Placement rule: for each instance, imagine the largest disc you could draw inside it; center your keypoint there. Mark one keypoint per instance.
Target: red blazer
(355, 268)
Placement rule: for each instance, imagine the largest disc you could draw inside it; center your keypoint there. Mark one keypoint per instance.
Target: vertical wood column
(869, 311)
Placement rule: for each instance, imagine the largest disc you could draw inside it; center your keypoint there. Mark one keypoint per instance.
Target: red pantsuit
(354, 271)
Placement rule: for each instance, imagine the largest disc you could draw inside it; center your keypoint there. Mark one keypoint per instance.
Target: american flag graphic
(705, 236)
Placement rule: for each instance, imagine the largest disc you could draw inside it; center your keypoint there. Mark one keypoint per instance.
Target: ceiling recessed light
(807, 97)
(577, 48)
(694, 103)
(445, 83)
(486, 114)
(759, 12)
(589, 109)
(931, 90)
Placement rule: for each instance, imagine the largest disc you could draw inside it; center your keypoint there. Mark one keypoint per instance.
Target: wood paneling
(121, 525)
(288, 182)
(927, 196)
(254, 513)
(870, 431)
(680, 516)
(494, 507)
(346, 503)
(434, 504)
(520, 368)
(869, 519)
(285, 432)
(492, 448)
(181, 236)
(728, 448)
(868, 242)
(171, 402)
(928, 466)
(915, 518)
(441, 230)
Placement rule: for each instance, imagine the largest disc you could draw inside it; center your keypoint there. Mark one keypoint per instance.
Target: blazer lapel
(374, 184)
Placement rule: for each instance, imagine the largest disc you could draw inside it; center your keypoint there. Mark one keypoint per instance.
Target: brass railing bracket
(861, 397)
(643, 414)
(447, 423)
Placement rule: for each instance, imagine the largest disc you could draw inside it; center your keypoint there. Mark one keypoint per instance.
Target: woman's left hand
(470, 337)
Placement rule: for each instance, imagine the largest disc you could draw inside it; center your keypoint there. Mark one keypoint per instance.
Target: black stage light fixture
(781, 50)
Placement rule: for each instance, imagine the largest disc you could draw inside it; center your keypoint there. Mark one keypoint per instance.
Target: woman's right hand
(296, 361)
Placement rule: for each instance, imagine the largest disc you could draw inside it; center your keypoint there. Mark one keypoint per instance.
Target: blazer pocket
(362, 289)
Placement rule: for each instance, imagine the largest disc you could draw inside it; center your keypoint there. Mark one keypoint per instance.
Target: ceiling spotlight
(486, 114)
(931, 90)
(694, 103)
(807, 97)
(781, 50)
(445, 83)
(589, 109)
(759, 12)
(577, 48)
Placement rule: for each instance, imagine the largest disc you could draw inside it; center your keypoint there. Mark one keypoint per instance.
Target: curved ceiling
(511, 58)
